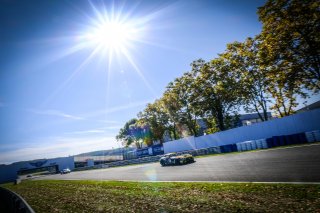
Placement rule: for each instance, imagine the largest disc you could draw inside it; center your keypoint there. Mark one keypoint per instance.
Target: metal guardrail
(11, 202)
(150, 159)
(206, 151)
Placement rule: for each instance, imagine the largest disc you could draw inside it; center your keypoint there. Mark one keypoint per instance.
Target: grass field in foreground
(113, 196)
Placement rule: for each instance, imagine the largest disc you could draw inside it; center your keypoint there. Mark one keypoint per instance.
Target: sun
(112, 35)
(109, 35)
(112, 29)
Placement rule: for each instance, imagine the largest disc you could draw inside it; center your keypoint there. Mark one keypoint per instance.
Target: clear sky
(64, 91)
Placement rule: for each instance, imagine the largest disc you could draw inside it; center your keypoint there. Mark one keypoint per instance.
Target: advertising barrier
(142, 152)
(157, 149)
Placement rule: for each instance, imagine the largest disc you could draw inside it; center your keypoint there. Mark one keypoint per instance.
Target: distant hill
(117, 151)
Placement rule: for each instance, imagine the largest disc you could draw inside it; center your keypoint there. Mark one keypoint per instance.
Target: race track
(293, 164)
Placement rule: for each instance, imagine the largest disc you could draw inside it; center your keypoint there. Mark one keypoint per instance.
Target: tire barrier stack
(313, 136)
(12, 202)
(252, 145)
(199, 152)
(285, 140)
(228, 148)
(282, 140)
(134, 161)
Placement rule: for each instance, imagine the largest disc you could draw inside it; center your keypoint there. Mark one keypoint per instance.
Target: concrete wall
(9, 172)
(298, 123)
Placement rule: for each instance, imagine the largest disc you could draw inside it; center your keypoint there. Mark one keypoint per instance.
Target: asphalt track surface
(292, 164)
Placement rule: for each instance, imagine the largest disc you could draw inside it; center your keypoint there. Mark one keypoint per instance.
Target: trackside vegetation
(114, 196)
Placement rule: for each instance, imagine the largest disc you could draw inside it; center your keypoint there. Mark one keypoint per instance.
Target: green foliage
(216, 92)
(178, 100)
(156, 118)
(124, 133)
(291, 50)
(171, 106)
(291, 39)
(134, 131)
(212, 126)
(245, 62)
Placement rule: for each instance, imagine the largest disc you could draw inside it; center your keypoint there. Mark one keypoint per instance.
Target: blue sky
(61, 95)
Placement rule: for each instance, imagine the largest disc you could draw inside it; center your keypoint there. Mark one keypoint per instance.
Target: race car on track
(174, 159)
(65, 171)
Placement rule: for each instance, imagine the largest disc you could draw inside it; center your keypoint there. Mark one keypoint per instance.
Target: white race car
(65, 171)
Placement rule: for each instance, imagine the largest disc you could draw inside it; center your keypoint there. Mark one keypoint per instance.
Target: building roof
(252, 116)
(315, 105)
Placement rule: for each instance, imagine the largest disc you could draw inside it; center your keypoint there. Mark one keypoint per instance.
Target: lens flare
(150, 173)
(113, 35)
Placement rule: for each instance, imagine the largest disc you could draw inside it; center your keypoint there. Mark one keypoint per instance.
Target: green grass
(113, 196)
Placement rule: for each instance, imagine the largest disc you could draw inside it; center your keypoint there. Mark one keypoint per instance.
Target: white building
(12, 171)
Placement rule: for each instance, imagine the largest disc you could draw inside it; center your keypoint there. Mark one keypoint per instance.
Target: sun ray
(136, 68)
(109, 76)
(97, 13)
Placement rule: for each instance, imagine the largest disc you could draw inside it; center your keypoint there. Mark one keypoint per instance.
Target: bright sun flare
(112, 35)
(108, 35)
(113, 31)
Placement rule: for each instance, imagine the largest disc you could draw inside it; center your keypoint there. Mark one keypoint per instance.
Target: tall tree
(139, 134)
(180, 91)
(244, 62)
(156, 119)
(135, 132)
(124, 134)
(284, 87)
(291, 38)
(216, 93)
(171, 107)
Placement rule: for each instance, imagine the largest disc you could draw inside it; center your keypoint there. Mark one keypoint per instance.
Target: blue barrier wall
(290, 125)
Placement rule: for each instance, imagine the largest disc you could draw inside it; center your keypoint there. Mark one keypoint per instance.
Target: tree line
(267, 72)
